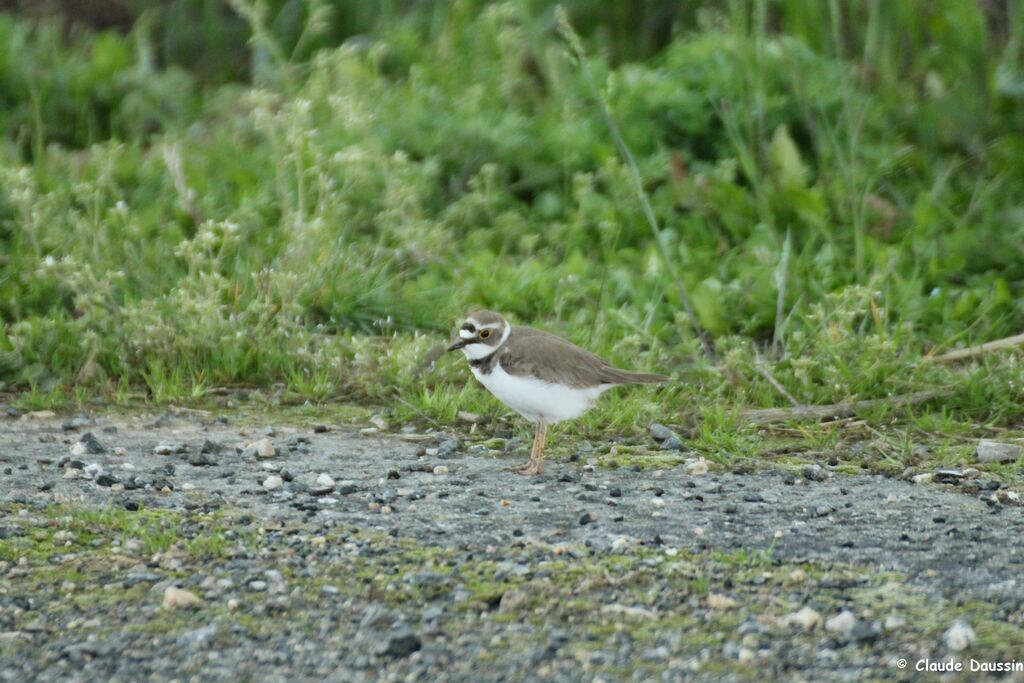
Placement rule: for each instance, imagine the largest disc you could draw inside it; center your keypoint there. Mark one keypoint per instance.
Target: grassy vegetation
(837, 190)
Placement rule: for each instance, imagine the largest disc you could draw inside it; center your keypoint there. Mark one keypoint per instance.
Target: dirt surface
(444, 566)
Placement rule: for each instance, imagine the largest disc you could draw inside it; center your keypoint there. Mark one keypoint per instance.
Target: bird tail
(612, 375)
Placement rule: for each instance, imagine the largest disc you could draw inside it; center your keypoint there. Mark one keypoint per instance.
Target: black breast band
(486, 364)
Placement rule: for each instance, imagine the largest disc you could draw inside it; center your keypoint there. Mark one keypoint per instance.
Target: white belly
(533, 398)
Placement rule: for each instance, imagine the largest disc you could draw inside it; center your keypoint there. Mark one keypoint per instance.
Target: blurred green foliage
(320, 216)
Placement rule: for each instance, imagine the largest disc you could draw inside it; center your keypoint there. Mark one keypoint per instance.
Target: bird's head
(481, 334)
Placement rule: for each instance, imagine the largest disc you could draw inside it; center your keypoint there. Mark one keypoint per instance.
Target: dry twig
(765, 415)
(972, 351)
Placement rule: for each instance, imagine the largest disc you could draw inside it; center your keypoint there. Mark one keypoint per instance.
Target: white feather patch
(533, 398)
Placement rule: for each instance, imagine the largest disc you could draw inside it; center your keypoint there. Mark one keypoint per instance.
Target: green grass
(836, 187)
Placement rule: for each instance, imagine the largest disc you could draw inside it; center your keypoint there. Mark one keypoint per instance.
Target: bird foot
(530, 468)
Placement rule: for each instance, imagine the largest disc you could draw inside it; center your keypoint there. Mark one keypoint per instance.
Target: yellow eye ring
(484, 334)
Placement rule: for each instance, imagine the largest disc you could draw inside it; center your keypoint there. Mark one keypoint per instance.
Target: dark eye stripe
(469, 327)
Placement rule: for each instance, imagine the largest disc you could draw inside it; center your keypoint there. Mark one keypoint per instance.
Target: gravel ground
(350, 556)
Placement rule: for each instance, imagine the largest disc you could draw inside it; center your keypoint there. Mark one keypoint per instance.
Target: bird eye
(484, 334)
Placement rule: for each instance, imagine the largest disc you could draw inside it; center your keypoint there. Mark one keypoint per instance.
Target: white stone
(441, 469)
(925, 478)
(78, 448)
(273, 482)
(324, 481)
(620, 544)
(628, 611)
(841, 623)
(696, 467)
(719, 601)
(997, 451)
(177, 597)
(959, 636)
(806, 619)
(796, 576)
(264, 448)
(894, 621)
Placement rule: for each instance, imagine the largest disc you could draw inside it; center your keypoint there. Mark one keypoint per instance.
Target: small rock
(200, 459)
(120, 451)
(925, 478)
(400, 643)
(257, 586)
(841, 624)
(447, 447)
(696, 468)
(39, 415)
(947, 475)
(199, 637)
(273, 482)
(719, 601)
(959, 636)
(894, 622)
(971, 473)
(1009, 498)
(866, 632)
(321, 429)
(515, 599)
(660, 432)
(629, 611)
(64, 537)
(806, 618)
(672, 443)
(587, 518)
(323, 485)
(106, 480)
(441, 469)
(469, 417)
(796, 577)
(380, 423)
(178, 597)
(264, 448)
(620, 545)
(814, 473)
(91, 444)
(997, 451)
(209, 446)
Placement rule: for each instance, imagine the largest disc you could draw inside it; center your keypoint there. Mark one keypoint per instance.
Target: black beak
(458, 345)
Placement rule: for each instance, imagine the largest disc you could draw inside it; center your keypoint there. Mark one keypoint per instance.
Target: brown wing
(553, 359)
